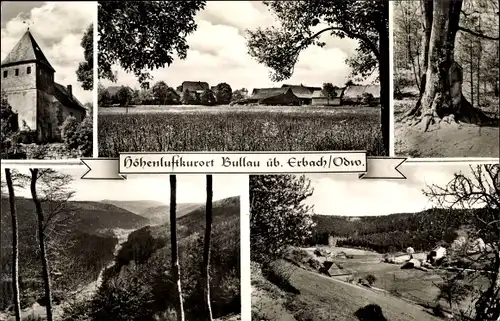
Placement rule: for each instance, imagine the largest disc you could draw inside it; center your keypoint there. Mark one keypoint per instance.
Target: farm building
(303, 93)
(353, 94)
(319, 98)
(194, 86)
(40, 103)
(272, 96)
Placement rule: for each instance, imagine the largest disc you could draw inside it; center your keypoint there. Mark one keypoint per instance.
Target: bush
(370, 278)
(69, 132)
(78, 136)
(280, 275)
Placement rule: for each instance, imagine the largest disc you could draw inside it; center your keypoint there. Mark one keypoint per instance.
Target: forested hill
(395, 232)
(87, 216)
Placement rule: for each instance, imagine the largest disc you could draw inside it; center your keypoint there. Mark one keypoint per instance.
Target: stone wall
(49, 151)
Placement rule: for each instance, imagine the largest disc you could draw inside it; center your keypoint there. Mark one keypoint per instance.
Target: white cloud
(348, 195)
(58, 27)
(218, 53)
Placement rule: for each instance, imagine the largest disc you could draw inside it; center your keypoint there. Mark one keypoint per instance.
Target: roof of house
(319, 93)
(67, 99)
(26, 50)
(263, 93)
(354, 91)
(195, 85)
(311, 88)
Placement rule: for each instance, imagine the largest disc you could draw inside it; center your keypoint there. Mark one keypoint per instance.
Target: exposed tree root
(441, 112)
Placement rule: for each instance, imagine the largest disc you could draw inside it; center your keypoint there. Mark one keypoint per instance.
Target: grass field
(323, 298)
(237, 128)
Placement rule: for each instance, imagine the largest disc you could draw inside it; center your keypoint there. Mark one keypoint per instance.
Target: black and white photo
(47, 77)
(243, 76)
(446, 78)
(336, 247)
(145, 248)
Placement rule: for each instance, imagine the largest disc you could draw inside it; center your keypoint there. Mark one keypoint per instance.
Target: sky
(58, 28)
(190, 188)
(219, 43)
(346, 194)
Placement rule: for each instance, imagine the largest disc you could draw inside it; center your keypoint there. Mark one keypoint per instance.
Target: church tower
(28, 81)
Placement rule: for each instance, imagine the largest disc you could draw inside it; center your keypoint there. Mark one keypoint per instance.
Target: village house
(193, 86)
(303, 93)
(41, 104)
(319, 97)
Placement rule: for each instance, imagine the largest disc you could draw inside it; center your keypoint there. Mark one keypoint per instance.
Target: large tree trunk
(41, 240)
(176, 271)
(206, 249)
(15, 248)
(384, 74)
(441, 85)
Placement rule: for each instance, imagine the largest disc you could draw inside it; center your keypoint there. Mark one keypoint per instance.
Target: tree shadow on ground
(371, 312)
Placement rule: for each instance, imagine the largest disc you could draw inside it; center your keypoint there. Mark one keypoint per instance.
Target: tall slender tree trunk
(41, 240)
(206, 249)
(15, 247)
(471, 59)
(384, 72)
(176, 271)
(441, 93)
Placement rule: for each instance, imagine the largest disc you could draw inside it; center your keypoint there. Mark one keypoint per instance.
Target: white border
(95, 146)
(391, 82)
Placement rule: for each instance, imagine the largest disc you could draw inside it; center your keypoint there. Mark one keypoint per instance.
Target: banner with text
(244, 163)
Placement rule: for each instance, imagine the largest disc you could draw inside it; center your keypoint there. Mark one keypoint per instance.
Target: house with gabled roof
(41, 104)
(193, 86)
(272, 96)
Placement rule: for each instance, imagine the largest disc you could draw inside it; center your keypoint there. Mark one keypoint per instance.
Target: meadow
(238, 128)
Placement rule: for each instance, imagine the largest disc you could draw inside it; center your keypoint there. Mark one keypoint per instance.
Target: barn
(353, 94)
(320, 99)
(272, 96)
(304, 93)
(193, 86)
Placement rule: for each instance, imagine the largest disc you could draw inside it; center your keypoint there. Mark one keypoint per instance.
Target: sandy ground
(451, 140)
(444, 139)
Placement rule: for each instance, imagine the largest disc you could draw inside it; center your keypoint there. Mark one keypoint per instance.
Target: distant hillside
(161, 214)
(145, 260)
(80, 236)
(136, 207)
(394, 232)
(90, 217)
(142, 243)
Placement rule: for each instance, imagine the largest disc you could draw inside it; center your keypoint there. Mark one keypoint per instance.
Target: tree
(206, 249)
(278, 217)
(366, 21)
(41, 239)
(69, 132)
(103, 96)
(124, 96)
(160, 91)
(176, 272)
(441, 84)
(9, 123)
(223, 94)
(85, 71)
(239, 94)
(329, 91)
(143, 35)
(15, 248)
(207, 98)
(189, 98)
(479, 189)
